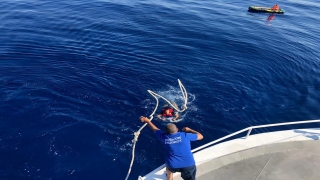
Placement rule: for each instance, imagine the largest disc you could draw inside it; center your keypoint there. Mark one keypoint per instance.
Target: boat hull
(260, 9)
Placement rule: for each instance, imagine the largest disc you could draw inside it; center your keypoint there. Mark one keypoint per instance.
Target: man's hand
(144, 119)
(189, 130)
(186, 129)
(150, 124)
(176, 116)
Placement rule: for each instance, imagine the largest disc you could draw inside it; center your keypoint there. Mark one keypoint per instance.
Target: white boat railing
(249, 129)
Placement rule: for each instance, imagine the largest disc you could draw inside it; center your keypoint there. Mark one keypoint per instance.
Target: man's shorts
(187, 173)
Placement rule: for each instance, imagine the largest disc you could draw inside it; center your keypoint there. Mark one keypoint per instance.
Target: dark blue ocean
(74, 77)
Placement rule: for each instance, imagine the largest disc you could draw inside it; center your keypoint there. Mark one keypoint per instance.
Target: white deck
(229, 149)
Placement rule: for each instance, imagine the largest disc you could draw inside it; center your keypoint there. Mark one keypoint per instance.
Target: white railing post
(249, 131)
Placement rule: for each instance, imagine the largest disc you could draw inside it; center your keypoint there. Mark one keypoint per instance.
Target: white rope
(157, 96)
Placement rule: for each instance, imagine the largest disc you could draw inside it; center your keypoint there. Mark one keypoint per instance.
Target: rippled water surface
(74, 77)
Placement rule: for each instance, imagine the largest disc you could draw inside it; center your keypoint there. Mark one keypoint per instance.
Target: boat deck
(295, 161)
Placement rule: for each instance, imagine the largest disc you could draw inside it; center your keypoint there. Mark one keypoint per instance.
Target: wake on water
(174, 95)
(170, 119)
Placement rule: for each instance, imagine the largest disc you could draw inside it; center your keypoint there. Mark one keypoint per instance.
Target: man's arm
(150, 124)
(189, 130)
(160, 116)
(176, 116)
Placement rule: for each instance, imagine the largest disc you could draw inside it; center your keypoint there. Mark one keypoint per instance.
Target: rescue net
(157, 96)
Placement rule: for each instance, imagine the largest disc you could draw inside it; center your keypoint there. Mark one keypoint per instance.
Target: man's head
(167, 111)
(171, 128)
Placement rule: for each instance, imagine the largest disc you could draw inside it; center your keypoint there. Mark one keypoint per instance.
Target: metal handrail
(249, 129)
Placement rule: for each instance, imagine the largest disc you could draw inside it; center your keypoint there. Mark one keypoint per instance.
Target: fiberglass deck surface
(298, 160)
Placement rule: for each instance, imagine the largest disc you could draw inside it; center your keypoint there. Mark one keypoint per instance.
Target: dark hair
(165, 108)
(171, 128)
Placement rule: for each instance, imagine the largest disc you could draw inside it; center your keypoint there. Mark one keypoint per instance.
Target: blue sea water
(74, 77)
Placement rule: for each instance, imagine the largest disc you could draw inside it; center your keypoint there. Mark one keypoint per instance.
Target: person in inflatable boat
(275, 7)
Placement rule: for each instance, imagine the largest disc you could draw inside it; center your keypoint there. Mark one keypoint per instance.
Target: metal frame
(249, 129)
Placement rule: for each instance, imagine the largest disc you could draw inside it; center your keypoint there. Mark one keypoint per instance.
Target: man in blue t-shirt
(179, 157)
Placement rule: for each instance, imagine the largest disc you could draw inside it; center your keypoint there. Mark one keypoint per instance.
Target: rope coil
(157, 96)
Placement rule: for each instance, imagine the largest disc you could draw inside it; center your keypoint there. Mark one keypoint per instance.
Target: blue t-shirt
(177, 148)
